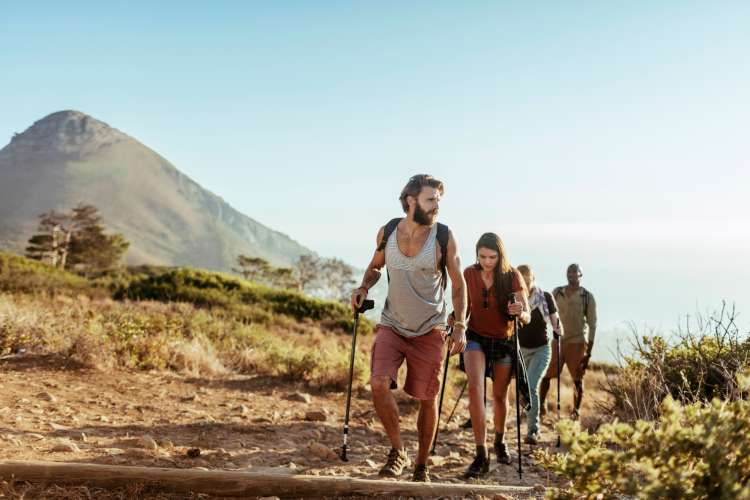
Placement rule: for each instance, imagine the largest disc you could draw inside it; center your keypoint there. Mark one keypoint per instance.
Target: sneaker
(532, 438)
(394, 466)
(421, 474)
(467, 424)
(478, 468)
(501, 453)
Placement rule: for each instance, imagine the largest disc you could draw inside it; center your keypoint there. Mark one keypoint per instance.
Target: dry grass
(105, 334)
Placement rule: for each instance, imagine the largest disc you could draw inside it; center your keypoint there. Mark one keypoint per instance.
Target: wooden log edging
(232, 483)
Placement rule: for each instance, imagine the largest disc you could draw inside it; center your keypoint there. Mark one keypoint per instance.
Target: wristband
(459, 323)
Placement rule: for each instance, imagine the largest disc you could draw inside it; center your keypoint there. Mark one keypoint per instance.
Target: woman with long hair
(536, 344)
(490, 344)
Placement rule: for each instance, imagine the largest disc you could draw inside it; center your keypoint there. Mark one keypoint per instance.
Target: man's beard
(423, 217)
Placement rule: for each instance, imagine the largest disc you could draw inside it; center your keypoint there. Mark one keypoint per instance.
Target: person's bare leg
(387, 409)
(500, 396)
(475, 365)
(500, 403)
(426, 427)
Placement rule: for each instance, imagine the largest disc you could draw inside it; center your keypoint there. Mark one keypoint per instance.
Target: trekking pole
(512, 300)
(366, 306)
(442, 392)
(558, 390)
(458, 400)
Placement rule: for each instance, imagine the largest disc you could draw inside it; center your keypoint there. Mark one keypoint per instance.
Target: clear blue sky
(610, 133)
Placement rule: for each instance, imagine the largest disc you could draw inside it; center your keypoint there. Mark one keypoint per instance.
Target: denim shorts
(473, 345)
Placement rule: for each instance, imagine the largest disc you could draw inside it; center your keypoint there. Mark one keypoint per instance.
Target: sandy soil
(51, 409)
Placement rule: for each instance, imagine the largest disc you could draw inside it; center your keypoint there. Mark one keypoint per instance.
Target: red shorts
(424, 360)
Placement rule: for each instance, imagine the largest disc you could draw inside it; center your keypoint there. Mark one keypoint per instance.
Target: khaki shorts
(424, 360)
(571, 356)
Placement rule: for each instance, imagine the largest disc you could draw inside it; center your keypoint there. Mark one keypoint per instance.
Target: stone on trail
(322, 451)
(47, 397)
(66, 448)
(148, 443)
(371, 463)
(300, 397)
(316, 416)
(59, 427)
(436, 460)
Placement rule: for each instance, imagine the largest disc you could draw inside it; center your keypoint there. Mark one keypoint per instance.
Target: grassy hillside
(181, 319)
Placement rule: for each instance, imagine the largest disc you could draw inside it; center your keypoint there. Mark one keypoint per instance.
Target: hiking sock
(481, 451)
(499, 438)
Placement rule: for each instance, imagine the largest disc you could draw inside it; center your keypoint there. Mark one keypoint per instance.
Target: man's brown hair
(415, 185)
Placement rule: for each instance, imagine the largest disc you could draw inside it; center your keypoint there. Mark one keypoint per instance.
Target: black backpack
(442, 237)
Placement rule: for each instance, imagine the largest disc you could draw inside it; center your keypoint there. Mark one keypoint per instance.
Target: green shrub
(244, 300)
(19, 274)
(694, 451)
(702, 361)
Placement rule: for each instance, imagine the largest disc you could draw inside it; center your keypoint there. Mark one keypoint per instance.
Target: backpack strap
(558, 291)
(443, 234)
(585, 298)
(387, 231)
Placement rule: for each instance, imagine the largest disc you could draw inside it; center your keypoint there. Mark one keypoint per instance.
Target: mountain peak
(69, 132)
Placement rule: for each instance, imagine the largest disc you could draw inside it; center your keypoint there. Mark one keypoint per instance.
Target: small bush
(702, 362)
(695, 451)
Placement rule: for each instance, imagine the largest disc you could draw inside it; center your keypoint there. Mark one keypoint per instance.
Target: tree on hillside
(261, 271)
(76, 239)
(283, 277)
(252, 268)
(91, 250)
(307, 269)
(338, 277)
(51, 243)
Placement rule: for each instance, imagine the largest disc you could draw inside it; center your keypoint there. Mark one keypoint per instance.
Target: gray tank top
(416, 300)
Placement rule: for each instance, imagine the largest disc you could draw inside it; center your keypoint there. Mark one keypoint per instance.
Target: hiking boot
(467, 424)
(394, 466)
(479, 467)
(421, 474)
(501, 453)
(574, 415)
(532, 438)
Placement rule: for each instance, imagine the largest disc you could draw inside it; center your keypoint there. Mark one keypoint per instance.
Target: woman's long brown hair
(502, 275)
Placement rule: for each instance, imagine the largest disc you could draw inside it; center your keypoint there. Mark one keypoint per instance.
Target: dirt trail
(53, 410)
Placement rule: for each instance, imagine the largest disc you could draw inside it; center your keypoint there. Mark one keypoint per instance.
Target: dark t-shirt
(535, 333)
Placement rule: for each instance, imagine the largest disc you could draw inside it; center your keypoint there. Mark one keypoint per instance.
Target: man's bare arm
(372, 274)
(458, 294)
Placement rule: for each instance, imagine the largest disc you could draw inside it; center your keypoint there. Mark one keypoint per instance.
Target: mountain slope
(69, 157)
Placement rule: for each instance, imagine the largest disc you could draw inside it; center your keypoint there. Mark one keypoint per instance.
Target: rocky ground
(53, 410)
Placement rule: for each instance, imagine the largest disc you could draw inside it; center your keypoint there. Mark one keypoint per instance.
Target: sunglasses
(485, 297)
